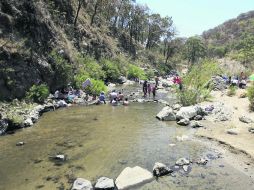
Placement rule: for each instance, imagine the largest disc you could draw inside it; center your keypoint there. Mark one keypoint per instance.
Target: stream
(102, 141)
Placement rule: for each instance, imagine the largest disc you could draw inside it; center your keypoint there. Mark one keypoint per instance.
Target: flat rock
(182, 161)
(198, 117)
(166, 114)
(160, 169)
(104, 183)
(131, 177)
(195, 124)
(82, 184)
(202, 161)
(182, 138)
(251, 129)
(184, 122)
(245, 119)
(232, 131)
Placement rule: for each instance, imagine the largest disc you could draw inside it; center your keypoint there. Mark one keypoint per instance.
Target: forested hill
(233, 29)
(61, 41)
(233, 36)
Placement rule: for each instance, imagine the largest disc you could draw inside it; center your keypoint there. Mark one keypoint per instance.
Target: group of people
(69, 94)
(149, 88)
(114, 98)
(240, 81)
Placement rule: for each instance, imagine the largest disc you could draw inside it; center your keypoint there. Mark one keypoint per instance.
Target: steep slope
(232, 30)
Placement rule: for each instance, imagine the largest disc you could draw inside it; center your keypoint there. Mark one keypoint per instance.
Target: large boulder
(104, 183)
(131, 177)
(82, 184)
(217, 83)
(166, 114)
(160, 169)
(28, 122)
(187, 112)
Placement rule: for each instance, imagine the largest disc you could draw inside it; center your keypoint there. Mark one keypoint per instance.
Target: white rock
(185, 168)
(62, 103)
(130, 177)
(166, 114)
(187, 112)
(104, 183)
(82, 184)
(182, 138)
(245, 119)
(160, 169)
(184, 122)
(182, 161)
(28, 122)
(232, 131)
(172, 145)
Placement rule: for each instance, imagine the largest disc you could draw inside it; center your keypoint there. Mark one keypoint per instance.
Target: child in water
(126, 102)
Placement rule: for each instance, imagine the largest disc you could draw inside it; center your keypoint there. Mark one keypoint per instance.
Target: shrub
(63, 70)
(97, 87)
(80, 77)
(112, 72)
(136, 72)
(195, 81)
(38, 93)
(231, 91)
(250, 94)
(91, 67)
(150, 74)
(188, 97)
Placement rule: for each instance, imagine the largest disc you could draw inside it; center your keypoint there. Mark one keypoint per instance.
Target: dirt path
(244, 140)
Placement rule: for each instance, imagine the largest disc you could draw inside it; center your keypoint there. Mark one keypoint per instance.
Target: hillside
(233, 39)
(52, 41)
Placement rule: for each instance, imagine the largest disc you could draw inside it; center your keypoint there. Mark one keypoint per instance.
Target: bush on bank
(250, 94)
(38, 93)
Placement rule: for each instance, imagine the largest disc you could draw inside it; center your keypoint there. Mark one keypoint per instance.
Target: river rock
(21, 143)
(184, 122)
(82, 184)
(182, 138)
(62, 103)
(251, 129)
(245, 119)
(160, 169)
(176, 107)
(232, 131)
(34, 116)
(131, 177)
(28, 122)
(187, 112)
(182, 161)
(198, 117)
(3, 126)
(104, 183)
(166, 114)
(122, 80)
(195, 124)
(186, 168)
(202, 161)
(217, 83)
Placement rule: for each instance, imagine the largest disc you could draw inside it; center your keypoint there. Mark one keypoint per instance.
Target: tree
(80, 3)
(194, 49)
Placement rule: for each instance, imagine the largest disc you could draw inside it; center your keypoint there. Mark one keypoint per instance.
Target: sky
(192, 17)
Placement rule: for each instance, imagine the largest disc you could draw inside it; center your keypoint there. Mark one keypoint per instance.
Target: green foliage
(231, 91)
(136, 72)
(63, 70)
(217, 51)
(91, 67)
(188, 97)
(195, 82)
(97, 87)
(38, 93)
(194, 49)
(250, 94)
(80, 77)
(150, 74)
(111, 69)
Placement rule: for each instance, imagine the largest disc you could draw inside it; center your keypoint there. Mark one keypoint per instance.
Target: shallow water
(102, 141)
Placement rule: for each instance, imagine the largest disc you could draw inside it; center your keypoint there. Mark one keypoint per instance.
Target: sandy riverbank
(243, 141)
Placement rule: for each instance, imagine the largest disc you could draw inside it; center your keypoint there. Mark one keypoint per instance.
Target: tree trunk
(79, 7)
(95, 12)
